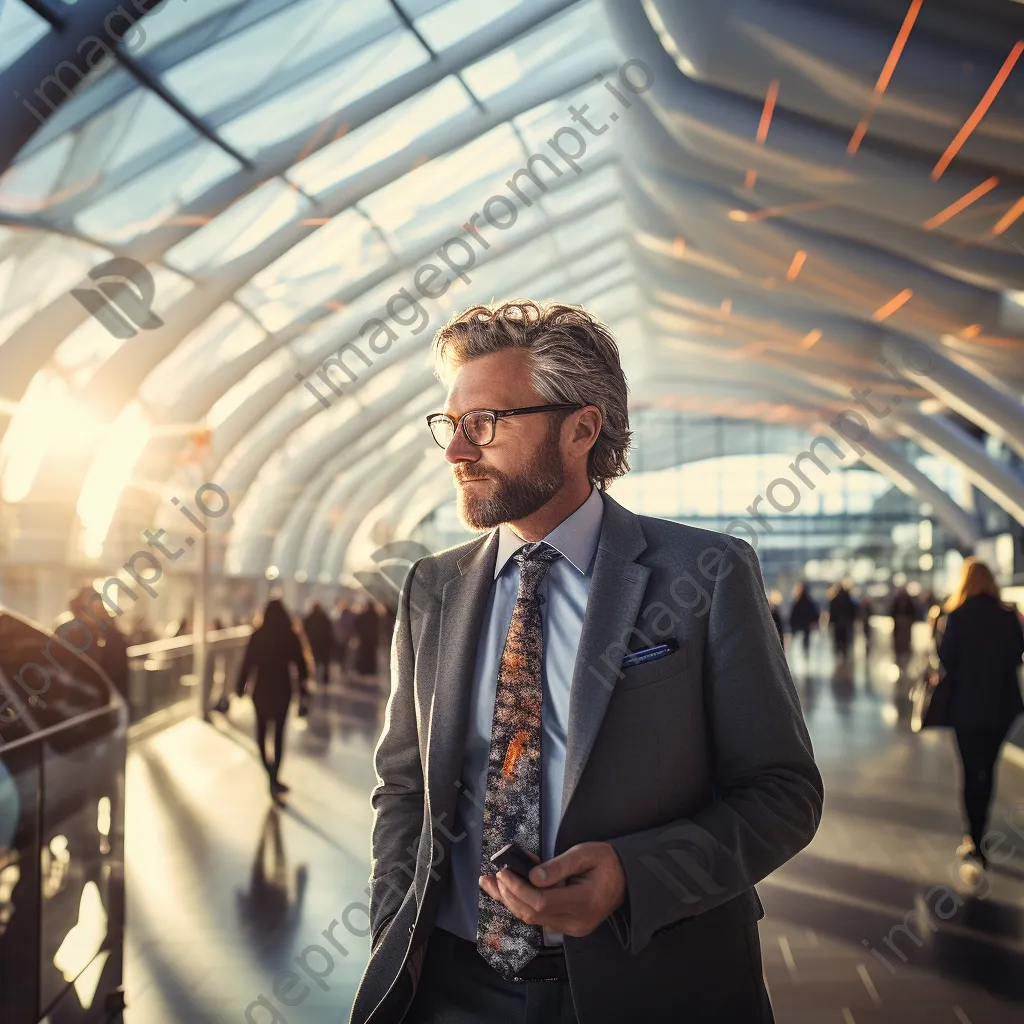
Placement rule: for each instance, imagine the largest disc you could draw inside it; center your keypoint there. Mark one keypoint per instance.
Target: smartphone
(515, 858)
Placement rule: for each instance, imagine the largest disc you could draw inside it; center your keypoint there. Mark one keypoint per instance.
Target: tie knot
(539, 552)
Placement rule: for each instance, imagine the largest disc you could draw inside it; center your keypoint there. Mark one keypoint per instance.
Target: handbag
(929, 699)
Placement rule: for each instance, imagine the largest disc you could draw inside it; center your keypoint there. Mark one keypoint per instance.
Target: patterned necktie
(512, 800)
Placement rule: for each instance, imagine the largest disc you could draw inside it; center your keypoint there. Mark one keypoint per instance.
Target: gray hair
(573, 358)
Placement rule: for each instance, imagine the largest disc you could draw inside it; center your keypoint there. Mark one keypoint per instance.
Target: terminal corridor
(225, 890)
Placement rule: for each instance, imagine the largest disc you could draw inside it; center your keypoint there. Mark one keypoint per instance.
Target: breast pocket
(637, 676)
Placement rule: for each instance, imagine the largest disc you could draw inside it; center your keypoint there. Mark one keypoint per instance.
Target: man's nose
(460, 450)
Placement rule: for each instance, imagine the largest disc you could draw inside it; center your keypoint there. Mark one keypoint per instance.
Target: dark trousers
(979, 752)
(458, 986)
(273, 766)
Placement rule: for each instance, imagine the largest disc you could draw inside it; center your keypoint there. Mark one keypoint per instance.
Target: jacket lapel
(613, 605)
(463, 602)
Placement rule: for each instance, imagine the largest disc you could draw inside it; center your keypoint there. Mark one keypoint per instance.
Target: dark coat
(842, 609)
(269, 658)
(904, 615)
(981, 651)
(367, 630)
(320, 634)
(803, 615)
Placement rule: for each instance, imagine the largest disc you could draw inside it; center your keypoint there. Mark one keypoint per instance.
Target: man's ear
(588, 425)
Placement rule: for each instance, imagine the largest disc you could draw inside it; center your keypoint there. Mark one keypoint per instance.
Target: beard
(514, 496)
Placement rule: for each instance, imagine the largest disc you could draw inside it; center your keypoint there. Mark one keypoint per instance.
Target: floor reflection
(271, 908)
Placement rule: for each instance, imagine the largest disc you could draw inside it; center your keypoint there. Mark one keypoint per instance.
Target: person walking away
(367, 631)
(865, 609)
(803, 616)
(272, 649)
(344, 630)
(320, 634)
(904, 615)
(980, 650)
(842, 611)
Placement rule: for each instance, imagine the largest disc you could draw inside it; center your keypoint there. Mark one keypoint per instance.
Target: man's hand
(571, 894)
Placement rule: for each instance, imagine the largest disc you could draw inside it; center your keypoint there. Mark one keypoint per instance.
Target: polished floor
(871, 923)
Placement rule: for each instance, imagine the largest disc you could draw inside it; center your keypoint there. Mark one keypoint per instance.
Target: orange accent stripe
(742, 217)
(748, 181)
(1008, 218)
(962, 203)
(811, 338)
(310, 145)
(971, 331)
(187, 220)
(767, 111)
(979, 111)
(794, 268)
(892, 305)
(886, 74)
(678, 246)
(726, 306)
(315, 221)
(515, 748)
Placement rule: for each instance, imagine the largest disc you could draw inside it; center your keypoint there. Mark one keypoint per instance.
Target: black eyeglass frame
(496, 413)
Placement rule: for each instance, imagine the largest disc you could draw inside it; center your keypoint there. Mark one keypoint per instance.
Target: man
(651, 791)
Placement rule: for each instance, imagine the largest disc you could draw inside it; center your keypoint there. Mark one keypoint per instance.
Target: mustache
(463, 477)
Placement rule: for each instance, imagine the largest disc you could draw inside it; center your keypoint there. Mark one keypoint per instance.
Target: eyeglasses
(478, 424)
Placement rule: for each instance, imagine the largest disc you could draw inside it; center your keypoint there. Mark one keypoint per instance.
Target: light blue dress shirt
(563, 596)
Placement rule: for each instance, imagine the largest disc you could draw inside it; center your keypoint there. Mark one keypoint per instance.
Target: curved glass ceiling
(286, 170)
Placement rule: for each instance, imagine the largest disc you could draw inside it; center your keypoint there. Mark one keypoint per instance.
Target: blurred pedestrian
(842, 613)
(865, 609)
(320, 634)
(108, 647)
(803, 616)
(980, 650)
(273, 648)
(344, 630)
(904, 615)
(367, 633)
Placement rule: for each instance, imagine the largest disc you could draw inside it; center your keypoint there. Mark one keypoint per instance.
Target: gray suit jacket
(696, 767)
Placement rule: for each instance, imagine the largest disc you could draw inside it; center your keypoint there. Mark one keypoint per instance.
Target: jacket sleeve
(398, 798)
(768, 792)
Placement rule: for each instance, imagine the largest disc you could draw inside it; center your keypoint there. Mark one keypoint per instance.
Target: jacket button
(412, 928)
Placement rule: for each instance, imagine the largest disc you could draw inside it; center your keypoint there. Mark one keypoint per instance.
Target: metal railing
(161, 676)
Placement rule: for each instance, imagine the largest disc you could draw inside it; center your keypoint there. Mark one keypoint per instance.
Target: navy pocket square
(649, 654)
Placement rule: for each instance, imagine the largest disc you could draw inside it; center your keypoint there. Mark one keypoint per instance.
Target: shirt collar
(575, 537)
